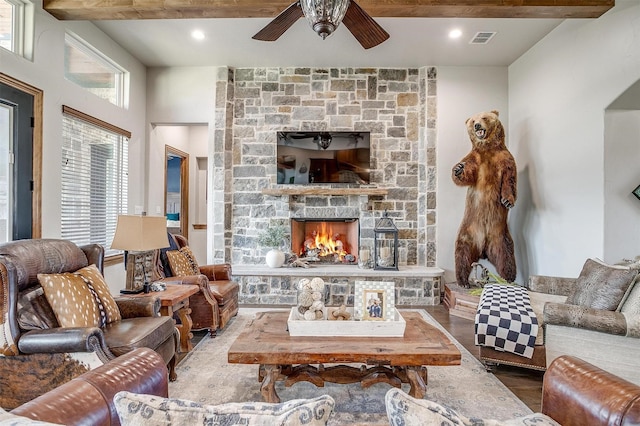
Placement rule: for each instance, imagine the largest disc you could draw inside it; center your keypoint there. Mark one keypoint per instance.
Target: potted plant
(274, 237)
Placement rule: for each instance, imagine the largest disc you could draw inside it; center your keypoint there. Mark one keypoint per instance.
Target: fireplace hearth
(329, 240)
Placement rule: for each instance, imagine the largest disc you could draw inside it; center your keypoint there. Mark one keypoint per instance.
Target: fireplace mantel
(324, 191)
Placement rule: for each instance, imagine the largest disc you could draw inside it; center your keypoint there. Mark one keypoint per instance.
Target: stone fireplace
(329, 240)
(397, 107)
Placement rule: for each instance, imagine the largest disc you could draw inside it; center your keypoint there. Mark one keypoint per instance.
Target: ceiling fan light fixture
(325, 140)
(324, 16)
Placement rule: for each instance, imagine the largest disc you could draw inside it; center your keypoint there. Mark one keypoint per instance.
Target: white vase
(274, 258)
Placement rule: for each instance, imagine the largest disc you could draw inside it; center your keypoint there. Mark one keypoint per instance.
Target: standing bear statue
(489, 172)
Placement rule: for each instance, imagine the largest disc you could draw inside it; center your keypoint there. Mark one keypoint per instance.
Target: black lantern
(385, 244)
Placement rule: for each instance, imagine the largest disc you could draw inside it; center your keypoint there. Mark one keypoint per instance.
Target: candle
(364, 255)
(384, 252)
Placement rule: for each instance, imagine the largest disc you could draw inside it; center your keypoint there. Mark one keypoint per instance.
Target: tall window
(94, 178)
(16, 27)
(88, 68)
(6, 169)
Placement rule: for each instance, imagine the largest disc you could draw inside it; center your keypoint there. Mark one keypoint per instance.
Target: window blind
(94, 179)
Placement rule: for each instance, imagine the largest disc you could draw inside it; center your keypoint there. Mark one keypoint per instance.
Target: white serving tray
(300, 327)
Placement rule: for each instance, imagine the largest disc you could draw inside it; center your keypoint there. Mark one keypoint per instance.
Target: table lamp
(138, 236)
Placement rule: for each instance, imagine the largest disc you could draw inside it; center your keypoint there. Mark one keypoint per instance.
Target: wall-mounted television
(323, 157)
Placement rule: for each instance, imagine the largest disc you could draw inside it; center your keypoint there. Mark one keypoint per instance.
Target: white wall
(46, 72)
(558, 93)
(191, 139)
(462, 92)
(182, 96)
(622, 175)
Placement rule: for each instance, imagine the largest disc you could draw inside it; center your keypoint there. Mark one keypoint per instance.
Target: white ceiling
(414, 42)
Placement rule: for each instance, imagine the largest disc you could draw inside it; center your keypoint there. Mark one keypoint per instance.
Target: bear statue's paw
(457, 170)
(507, 203)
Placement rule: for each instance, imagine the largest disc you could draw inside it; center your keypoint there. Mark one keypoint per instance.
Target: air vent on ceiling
(482, 37)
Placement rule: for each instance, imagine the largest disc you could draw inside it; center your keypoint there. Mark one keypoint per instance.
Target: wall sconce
(385, 244)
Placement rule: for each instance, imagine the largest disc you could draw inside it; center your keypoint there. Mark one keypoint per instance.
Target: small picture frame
(374, 301)
(636, 192)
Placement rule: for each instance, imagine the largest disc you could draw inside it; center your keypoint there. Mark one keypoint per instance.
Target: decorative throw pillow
(404, 410)
(135, 409)
(34, 312)
(191, 258)
(8, 419)
(601, 286)
(70, 299)
(179, 264)
(99, 288)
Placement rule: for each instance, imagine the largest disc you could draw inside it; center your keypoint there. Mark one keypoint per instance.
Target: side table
(175, 299)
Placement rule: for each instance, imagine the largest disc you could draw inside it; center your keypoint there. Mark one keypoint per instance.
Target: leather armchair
(29, 327)
(216, 302)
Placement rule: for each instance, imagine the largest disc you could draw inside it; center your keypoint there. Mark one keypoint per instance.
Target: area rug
(205, 376)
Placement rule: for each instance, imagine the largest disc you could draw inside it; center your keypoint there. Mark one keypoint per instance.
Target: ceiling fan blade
(363, 27)
(280, 24)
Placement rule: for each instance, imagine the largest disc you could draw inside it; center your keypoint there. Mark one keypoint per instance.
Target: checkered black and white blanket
(505, 320)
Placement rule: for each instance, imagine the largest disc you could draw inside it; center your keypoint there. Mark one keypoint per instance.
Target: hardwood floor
(526, 384)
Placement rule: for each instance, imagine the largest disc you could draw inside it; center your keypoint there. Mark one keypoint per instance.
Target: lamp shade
(140, 233)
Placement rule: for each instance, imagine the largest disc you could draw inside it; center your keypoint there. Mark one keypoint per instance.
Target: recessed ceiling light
(197, 34)
(455, 33)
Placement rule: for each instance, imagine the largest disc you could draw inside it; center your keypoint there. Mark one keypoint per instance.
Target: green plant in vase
(275, 237)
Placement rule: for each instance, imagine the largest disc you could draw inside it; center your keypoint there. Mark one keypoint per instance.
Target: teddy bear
(489, 172)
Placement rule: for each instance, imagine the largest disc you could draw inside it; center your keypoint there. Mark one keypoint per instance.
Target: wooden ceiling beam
(92, 10)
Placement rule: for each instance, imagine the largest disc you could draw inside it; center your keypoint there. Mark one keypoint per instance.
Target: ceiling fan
(324, 17)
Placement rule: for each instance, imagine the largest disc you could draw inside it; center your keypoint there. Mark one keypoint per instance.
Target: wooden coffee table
(393, 360)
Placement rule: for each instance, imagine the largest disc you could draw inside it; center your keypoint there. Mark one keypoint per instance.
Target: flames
(324, 242)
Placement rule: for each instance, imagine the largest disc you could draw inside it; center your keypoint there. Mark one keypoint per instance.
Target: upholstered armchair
(217, 301)
(54, 301)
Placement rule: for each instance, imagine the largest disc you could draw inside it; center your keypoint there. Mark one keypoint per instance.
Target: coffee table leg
(268, 387)
(417, 377)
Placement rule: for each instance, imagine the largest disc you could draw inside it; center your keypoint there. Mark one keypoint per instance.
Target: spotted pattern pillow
(191, 258)
(139, 409)
(179, 264)
(97, 285)
(71, 300)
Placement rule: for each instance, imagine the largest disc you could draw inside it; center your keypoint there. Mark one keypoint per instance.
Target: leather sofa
(88, 399)
(216, 302)
(29, 332)
(577, 393)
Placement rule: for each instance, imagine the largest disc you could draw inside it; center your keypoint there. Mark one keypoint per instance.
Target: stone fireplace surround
(397, 107)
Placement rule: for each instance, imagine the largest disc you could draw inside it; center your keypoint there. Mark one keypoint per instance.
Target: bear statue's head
(485, 130)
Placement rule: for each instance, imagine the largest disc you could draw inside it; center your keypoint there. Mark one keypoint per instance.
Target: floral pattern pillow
(404, 410)
(137, 409)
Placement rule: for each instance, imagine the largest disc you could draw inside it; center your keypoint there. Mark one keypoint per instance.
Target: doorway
(176, 190)
(20, 160)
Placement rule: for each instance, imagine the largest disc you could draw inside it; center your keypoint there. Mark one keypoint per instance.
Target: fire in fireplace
(325, 240)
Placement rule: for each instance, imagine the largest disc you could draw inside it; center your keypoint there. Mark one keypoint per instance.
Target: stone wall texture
(397, 107)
